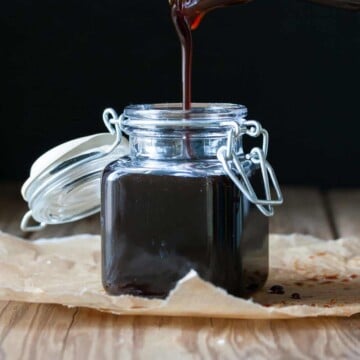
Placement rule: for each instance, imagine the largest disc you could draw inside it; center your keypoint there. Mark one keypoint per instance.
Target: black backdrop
(296, 66)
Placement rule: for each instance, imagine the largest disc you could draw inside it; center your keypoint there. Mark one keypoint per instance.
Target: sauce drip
(187, 16)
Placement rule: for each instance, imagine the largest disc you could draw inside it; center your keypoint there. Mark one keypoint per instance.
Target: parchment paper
(326, 275)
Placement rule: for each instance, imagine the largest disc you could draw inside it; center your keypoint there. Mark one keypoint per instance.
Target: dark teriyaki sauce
(187, 16)
(156, 228)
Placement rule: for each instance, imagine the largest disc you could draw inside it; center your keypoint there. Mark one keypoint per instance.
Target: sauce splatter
(277, 290)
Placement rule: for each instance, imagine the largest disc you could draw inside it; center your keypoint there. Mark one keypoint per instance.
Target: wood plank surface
(303, 212)
(345, 205)
(33, 331)
(53, 332)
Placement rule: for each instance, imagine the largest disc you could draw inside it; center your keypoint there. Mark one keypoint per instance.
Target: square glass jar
(171, 206)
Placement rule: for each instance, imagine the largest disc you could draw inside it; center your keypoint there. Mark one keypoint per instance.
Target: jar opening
(171, 115)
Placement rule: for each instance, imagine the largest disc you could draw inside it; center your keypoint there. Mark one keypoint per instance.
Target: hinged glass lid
(64, 183)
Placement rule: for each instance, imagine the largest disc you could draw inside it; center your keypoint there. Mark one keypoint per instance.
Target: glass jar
(185, 198)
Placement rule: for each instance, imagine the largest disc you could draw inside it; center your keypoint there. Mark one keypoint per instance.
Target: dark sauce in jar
(156, 228)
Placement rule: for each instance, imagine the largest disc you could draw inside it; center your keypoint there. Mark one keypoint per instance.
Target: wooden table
(33, 331)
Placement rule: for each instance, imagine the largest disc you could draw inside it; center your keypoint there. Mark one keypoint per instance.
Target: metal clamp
(28, 228)
(234, 168)
(113, 123)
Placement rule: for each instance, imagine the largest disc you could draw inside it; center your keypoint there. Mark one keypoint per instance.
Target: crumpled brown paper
(326, 275)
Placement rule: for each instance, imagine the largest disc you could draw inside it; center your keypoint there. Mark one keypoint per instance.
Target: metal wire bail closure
(113, 123)
(235, 170)
(24, 226)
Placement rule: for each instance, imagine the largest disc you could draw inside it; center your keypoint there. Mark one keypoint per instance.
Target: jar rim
(174, 111)
(172, 116)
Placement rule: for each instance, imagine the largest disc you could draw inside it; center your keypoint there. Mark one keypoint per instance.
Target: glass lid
(64, 183)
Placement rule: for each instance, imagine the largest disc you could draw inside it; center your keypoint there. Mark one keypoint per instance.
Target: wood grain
(303, 212)
(52, 332)
(345, 206)
(29, 331)
(174, 338)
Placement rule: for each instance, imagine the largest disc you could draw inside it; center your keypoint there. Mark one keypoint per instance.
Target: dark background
(296, 65)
